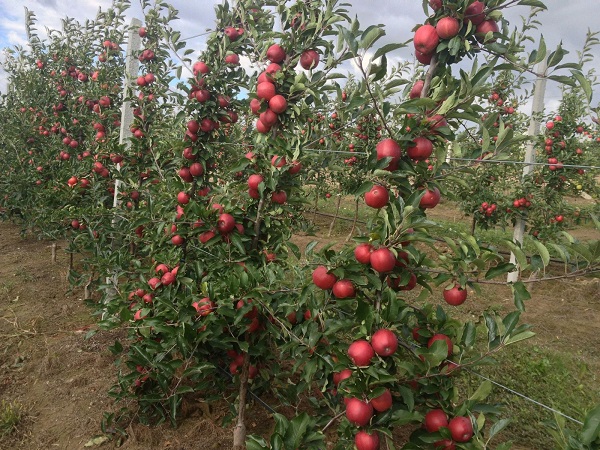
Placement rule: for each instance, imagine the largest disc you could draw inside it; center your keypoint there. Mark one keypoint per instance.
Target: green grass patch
(11, 413)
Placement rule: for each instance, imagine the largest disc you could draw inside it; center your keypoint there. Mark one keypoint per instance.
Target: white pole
(132, 65)
(534, 130)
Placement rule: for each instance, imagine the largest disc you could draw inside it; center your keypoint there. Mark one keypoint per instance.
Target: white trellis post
(534, 130)
(132, 65)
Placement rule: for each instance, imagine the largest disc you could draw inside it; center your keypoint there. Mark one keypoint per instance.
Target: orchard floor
(60, 379)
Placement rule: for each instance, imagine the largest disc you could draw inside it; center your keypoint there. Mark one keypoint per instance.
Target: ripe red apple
(268, 117)
(461, 428)
(344, 289)
(383, 260)
(196, 169)
(430, 199)
(389, 148)
(323, 279)
(206, 236)
(177, 240)
(162, 269)
(426, 39)
(278, 104)
(362, 253)
(309, 59)
(484, 28)
(295, 167)
(435, 419)
(278, 161)
(153, 282)
(142, 32)
(474, 12)
(200, 67)
(421, 149)
(365, 441)
(279, 197)
(254, 180)
(377, 197)
(262, 127)
(265, 90)
(435, 4)
(226, 223)
(358, 412)
(276, 53)
(232, 33)
(232, 58)
(361, 352)
(383, 402)
(423, 58)
(416, 90)
(444, 444)
(204, 306)
(167, 279)
(338, 377)
(447, 27)
(384, 342)
(455, 296)
(183, 198)
(441, 337)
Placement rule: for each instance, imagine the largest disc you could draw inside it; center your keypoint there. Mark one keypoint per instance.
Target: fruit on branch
(361, 352)
(484, 28)
(226, 223)
(426, 39)
(435, 419)
(365, 441)
(474, 12)
(461, 428)
(278, 104)
(323, 279)
(416, 90)
(430, 199)
(254, 180)
(447, 27)
(362, 253)
(344, 289)
(421, 149)
(309, 59)
(441, 337)
(276, 53)
(384, 342)
(377, 197)
(455, 296)
(265, 90)
(383, 260)
(338, 377)
(388, 148)
(383, 402)
(358, 411)
(435, 4)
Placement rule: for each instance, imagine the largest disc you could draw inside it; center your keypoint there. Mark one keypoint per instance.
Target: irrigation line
(529, 399)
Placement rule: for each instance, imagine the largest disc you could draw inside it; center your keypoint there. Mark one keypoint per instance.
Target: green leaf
(256, 443)
(520, 337)
(543, 251)
(498, 427)
(482, 392)
(370, 36)
(296, 430)
(469, 333)
(511, 321)
(520, 294)
(386, 49)
(584, 83)
(498, 270)
(591, 426)
(534, 3)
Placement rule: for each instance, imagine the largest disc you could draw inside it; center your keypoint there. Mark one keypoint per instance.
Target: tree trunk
(239, 432)
(337, 211)
(353, 222)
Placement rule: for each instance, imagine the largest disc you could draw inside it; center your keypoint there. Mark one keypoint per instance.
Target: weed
(11, 413)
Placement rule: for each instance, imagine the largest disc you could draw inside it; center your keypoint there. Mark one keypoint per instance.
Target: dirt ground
(61, 379)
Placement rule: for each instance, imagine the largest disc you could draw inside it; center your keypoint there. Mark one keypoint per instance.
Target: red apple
(461, 428)
(435, 419)
(455, 296)
(183, 198)
(423, 58)
(276, 53)
(254, 180)
(447, 27)
(344, 289)
(358, 412)
(377, 197)
(278, 104)
(444, 444)
(420, 150)
(279, 197)
(484, 28)
(383, 402)
(309, 59)
(232, 58)
(265, 90)
(323, 279)
(361, 352)
(383, 260)
(430, 199)
(362, 253)
(389, 148)
(384, 342)
(338, 377)
(440, 337)
(196, 169)
(365, 441)
(416, 90)
(426, 39)
(226, 223)
(474, 12)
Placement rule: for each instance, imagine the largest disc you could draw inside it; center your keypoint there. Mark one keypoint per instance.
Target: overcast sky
(566, 21)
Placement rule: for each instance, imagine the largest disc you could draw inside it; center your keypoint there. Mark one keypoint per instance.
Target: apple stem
(429, 76)
(239, 432)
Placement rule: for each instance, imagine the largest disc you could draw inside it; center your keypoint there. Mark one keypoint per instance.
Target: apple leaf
(498, 270)
(296, 430)
(520, 294)
(482, 392)
(370, 36)
(591, 426)
(520, 337)
(386, 49)
(534, 3)
(498, 427)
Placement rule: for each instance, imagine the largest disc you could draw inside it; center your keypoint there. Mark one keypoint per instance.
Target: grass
(11, 413)
(558, 379)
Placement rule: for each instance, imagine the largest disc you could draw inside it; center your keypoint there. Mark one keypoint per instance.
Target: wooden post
(132, 65)
(534, 130)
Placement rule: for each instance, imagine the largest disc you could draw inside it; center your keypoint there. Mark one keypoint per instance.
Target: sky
(566, 21)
